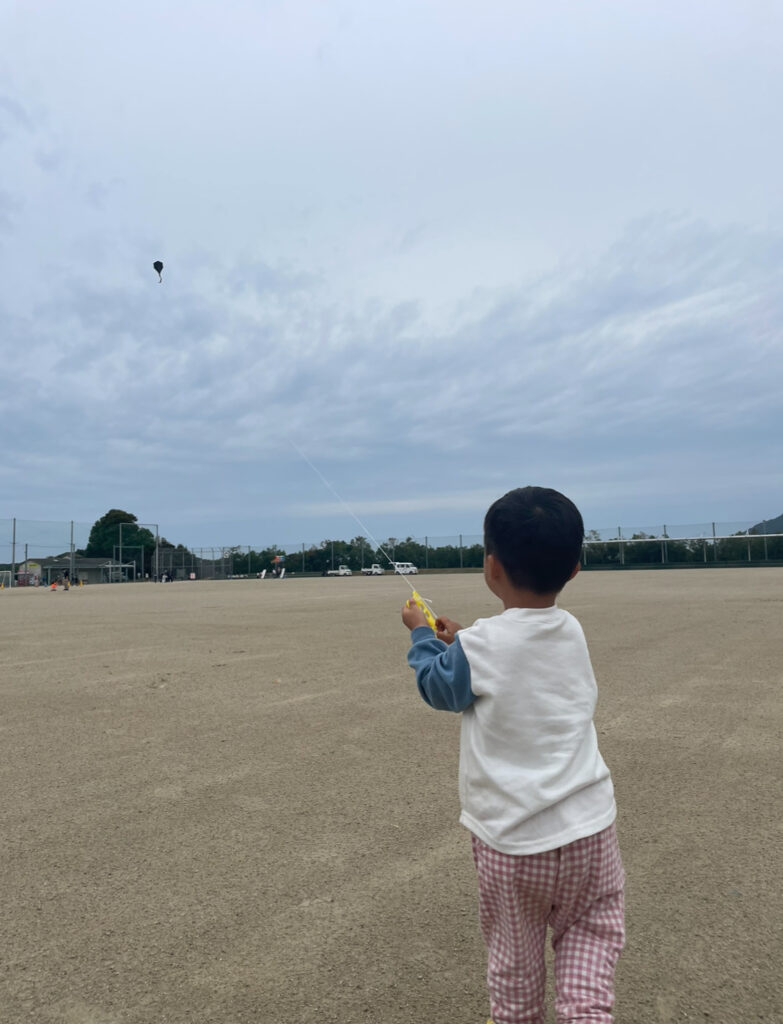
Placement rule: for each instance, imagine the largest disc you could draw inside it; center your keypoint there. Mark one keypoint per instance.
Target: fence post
(13, 554)
(426, 552)
(620, 545)
(303, 557)
(764, 522)
(460, 551)
(714, 544)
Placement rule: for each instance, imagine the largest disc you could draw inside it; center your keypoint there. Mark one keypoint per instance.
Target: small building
(28, 574)
(85, 570)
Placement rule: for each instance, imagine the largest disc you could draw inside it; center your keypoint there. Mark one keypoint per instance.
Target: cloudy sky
(440, 249)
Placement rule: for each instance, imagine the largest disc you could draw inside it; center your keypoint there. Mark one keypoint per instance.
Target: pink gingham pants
(577, 891)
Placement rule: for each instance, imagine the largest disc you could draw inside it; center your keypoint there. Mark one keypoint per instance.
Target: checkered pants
(577, 891)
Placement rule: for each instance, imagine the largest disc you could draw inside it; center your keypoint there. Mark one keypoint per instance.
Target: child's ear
(577, 567)
(494, 568)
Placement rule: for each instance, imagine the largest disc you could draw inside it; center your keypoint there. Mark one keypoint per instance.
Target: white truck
(373, 570)
(404, 568)
(341, 570)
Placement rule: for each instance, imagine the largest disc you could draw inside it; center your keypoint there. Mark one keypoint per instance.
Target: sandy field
(225, 802)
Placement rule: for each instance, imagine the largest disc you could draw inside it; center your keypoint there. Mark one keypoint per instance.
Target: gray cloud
(674, 352)
(13, 118)
(440, 268)
(9, 209)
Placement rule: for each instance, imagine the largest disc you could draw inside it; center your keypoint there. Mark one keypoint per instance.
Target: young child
(534, 789)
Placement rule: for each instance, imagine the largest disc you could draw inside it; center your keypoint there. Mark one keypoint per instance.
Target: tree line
(137, 544)
(648, 549)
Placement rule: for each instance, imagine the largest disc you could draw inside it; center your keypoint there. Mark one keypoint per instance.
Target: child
(534, 789)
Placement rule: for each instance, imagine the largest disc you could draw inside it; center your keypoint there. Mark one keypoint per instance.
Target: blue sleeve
(442, 671)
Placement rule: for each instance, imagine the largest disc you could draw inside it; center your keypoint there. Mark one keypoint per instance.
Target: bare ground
(225, 802)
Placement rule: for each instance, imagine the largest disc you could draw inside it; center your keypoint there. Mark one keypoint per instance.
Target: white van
(404, 568)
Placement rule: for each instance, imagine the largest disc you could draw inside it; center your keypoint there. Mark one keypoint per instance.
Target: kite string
(349, 510)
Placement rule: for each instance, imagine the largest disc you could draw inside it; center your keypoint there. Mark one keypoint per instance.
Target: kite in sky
(157, 265)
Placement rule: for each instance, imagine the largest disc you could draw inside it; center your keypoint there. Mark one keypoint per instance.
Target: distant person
(535, 792)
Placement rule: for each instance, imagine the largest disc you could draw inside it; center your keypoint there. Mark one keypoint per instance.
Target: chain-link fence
(695, 544)
(39, 551)
(30, 549)
(26, 545)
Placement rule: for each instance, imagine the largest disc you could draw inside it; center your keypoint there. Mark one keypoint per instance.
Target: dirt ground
(225, 802)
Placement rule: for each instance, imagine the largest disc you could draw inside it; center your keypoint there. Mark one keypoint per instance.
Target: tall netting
(28, 545)
(54, 549)
(699, 543)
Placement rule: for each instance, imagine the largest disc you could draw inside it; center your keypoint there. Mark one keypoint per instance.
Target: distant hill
(768, 526)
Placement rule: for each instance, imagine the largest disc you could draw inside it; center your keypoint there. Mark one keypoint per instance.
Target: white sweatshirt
(531, 777)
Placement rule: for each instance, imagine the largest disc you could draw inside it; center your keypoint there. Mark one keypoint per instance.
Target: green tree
(599, 552)
(105, 537)
(644, 552)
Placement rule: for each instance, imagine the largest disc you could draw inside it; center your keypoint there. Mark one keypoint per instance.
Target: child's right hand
(445, 629)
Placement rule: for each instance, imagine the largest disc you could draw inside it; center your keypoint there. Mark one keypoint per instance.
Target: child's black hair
(536, 534)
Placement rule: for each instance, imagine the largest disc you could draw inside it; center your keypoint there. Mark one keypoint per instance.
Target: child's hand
(412, 615)
(446, 628)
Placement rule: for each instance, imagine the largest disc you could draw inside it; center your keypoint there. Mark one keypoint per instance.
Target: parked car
(404, 568)
(341, 570)
(373, 570)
